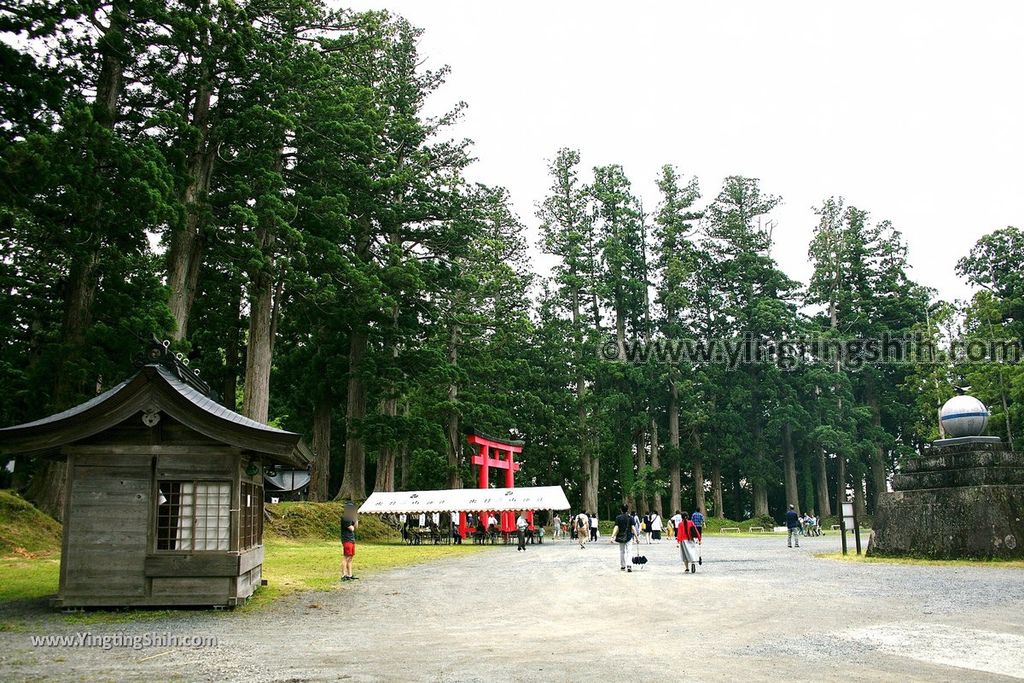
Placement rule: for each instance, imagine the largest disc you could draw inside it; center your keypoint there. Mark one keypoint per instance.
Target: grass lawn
(289, 566)
(862, 559)
(27, 578)
(302, 553)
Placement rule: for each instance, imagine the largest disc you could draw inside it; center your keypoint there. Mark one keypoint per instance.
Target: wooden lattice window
(251, 531)
(193, 515)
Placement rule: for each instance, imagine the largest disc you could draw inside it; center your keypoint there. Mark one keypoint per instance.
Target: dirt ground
(755, 611)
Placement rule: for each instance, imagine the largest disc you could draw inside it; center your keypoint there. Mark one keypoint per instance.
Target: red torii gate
(486, 462)
(486, 445)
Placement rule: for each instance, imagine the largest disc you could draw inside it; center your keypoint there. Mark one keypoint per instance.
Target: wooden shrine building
(164, 502)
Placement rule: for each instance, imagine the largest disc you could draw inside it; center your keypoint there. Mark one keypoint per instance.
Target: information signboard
(848, 521)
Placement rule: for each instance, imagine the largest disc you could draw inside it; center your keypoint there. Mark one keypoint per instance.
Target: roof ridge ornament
(159, 353)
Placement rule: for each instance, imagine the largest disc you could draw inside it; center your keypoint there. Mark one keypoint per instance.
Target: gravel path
(756, 610)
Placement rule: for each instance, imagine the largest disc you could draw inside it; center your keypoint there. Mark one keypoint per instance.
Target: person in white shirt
(492, 526)
(675, 519)
(521, 525)
(556, 527)
(593, 527)
(656, 526)
(582, 526)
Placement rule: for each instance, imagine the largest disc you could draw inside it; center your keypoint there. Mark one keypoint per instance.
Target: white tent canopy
(467, 500)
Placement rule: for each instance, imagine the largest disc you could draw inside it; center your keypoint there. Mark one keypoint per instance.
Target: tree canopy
(260, 183)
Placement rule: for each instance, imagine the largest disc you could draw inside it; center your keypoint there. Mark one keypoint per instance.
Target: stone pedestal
(960, 500)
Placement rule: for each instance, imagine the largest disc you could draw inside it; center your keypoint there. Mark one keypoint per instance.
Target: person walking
(813, 527)
(593, 527)
(656, 526)
(686, 534)
(698, 521)
(556, 528)
(582, 529)
(349, 522)
(674, 521)
(792, 527)
(623, 535)
(521, 525)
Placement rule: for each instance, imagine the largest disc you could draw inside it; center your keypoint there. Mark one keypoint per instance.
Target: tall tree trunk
(789, 465)
(258, 357)
(591, 484)
(185, 252)
(589, 464)
(737, 499)
(231, 353)
(453, 441)
(759, 485)
(807, 484)
(877, 458)
(403, 453)
(698, 474)
(264, 299)
(840, 484)
(821, 484)
(320, 472)
(626, 475)
(858, 497)
(385, 480)
(80, 287)
(643, 505)
(698, 485)
(676, 503)
(386, 460)
(79, 297)
(760, 490)
(656, 464)
(388, 455)
(716, 489)
(48, 489)
(353, 483)
(403, 461)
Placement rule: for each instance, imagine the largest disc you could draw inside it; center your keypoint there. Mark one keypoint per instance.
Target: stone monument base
(960, 500)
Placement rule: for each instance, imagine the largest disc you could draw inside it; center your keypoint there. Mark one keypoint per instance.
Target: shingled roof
(155, 387)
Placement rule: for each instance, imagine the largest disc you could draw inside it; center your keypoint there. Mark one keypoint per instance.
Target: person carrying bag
(686, 535)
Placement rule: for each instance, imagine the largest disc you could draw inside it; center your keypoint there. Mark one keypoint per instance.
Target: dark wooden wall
(110, 556)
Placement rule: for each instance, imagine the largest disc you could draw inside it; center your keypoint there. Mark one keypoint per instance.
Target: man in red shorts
(349, 522)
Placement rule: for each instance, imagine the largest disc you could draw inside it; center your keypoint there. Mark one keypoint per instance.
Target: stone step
(957, 459)
(958, 477)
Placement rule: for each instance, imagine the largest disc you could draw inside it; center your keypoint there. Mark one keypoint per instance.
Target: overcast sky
(912, 111)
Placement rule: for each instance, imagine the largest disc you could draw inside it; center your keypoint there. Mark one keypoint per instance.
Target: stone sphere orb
(963, 416)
